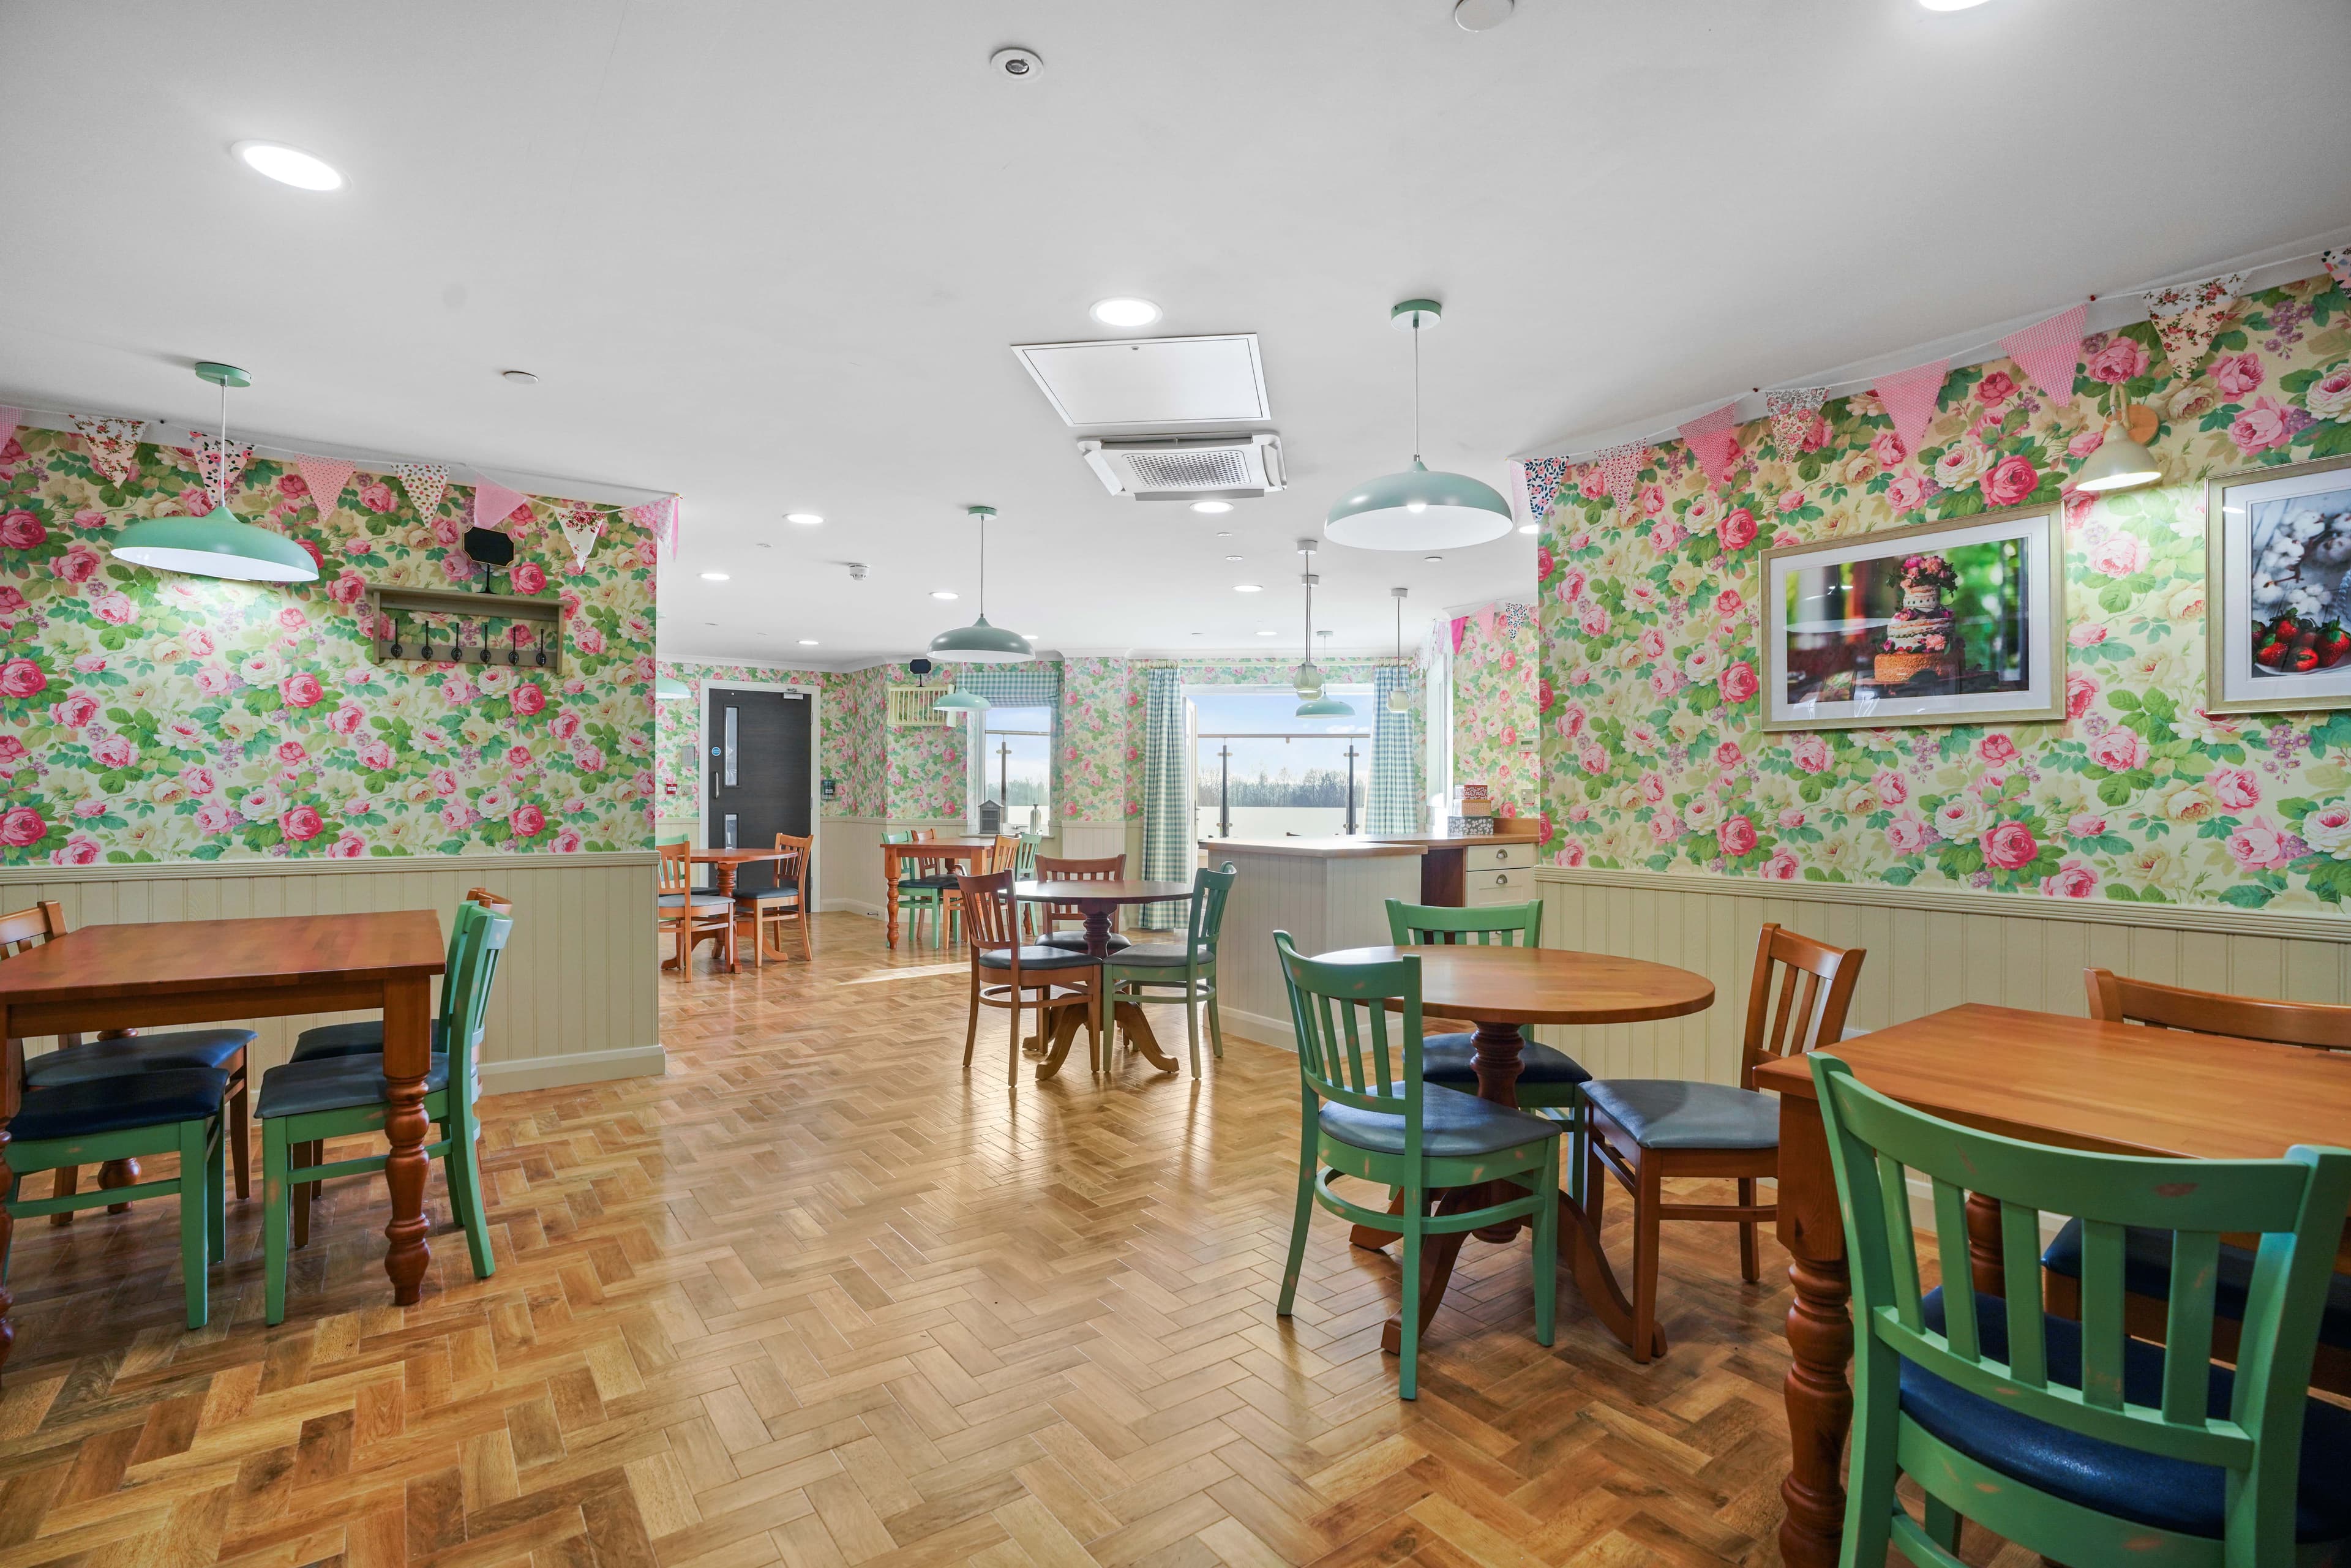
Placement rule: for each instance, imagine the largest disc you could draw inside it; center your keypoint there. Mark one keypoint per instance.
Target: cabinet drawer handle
(1501, 879)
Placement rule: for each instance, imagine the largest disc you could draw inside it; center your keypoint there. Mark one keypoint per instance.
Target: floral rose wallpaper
(1496, 656)
(1102, 738)
(1649, 693)
(154, 716)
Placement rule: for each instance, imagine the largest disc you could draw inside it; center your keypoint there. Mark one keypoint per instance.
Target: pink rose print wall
(1649, 706)
(150, 717)
(1495, 681)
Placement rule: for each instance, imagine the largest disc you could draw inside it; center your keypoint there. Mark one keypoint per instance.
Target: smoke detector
(1017, 63)
(1187, 467)
(857, 572)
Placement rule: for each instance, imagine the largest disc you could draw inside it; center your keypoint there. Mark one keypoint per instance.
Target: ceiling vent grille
(1187, 468)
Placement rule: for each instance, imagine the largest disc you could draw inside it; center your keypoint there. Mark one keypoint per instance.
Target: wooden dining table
(219, 971)
(725, 865)
(964, 852)
(2114, 1088)
(1501, 988)
(1097, 902)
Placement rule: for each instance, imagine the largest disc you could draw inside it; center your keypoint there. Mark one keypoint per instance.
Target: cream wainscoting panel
(578, 993)
(1325, 902)
(1085, 841)
(1927, 951)
(849, 864)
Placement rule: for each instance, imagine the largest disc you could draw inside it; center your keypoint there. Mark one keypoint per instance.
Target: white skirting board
(577, 1067)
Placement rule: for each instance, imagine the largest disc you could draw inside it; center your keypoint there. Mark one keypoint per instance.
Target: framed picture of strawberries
(2277, 614)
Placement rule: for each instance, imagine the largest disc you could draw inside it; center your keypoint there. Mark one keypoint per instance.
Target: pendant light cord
(983, 568)
(1415, 386)
(220, 457)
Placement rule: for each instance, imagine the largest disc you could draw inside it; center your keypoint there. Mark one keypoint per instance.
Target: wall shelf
(443, 626)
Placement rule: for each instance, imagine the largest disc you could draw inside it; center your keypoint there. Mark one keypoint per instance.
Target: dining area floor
(820, 1296)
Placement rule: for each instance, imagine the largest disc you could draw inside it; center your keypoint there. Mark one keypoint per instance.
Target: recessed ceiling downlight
(520, 378)
(1248, 588)
(1212, 507)
(807, 641)
(1951, 4)
(806, 519)
(1479, 16)
(1126, 313)
(714, 577)
(289, 166)
(942, 593)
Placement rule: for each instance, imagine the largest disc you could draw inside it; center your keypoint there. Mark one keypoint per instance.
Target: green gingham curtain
(1395, 791)
(1167, 851)
(1034, 685)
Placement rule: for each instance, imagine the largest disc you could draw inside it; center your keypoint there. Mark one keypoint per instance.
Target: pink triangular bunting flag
(1710, 438)
(2049, 352)
(10, 418)
(494, 502)
(2337, 263)
(1792, 409)
(1909, 397)
(581, 529)
(1620, 468)
(426, 483)
(112, 445)
(661, 517)
(1542, 477)
(220, 467)
(326, 476)
(2186, 316)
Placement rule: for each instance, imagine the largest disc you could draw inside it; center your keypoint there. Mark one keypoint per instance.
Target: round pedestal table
(1099, 902)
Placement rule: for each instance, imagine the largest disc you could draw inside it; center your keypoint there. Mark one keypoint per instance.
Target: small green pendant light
(980, 643)
(1417, 509)
(963, 702)
(218, 544)
(1308, 677)
(670, 689)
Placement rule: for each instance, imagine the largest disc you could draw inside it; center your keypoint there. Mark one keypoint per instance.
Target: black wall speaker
(919, 667)
(487, 546)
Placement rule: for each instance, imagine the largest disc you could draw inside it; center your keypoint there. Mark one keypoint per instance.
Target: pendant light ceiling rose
(1416, 509)
(980, 643)
(1308, 677)
(219, 543)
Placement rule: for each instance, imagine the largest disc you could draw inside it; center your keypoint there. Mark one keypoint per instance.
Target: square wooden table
(726, 865)
(965, 852)
(2114, 1088)
(218, 971)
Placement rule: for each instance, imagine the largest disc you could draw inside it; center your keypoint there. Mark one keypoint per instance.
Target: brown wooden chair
(2147, 1254)
(1050, 867)
(125, 1052)
(1644, 1131)
(695, 915)
(786, 901)
(1005, 970)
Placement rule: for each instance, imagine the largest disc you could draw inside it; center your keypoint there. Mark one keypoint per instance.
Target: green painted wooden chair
(1151, 971)
(308, 1102)
(2073, 1439)
(1366, 1111)
(925, 893)
(364, 1037)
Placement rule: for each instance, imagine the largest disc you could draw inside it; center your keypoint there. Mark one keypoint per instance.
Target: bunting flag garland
(2048, 352)
(9, 419)
(1792, 415)
(1543, 476)
(326, 476)
(426, 483)
(1710, 438)
(2339, 266)
(211, 458)
(1910, 397)
(494, 502)
(661, 517)
(2188, 316)
(1620, 469)
(112, 445)
(581, 529)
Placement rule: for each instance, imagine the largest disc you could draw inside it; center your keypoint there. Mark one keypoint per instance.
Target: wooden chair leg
(65, 1184)
(685, 949)
(971, 1027)
(276, 1203)
(239, 1132)
(807, 953)
(117, 1173)
(1647, 1199)
(1748, 1263)
(195, 1230)
(1012, 1068)
(299, 1198)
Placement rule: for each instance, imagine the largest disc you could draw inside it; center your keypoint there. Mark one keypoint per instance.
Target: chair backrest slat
(991, 917)
(26, 929)
(1425, 924)
(1806, 1018)
(676, 868)
(1951, 1245)
(2115, 999)
(1056, 868)
(2187, 1323)
(1352, 1048)
(483, 937)
(2020, 1249)
(1210, 891)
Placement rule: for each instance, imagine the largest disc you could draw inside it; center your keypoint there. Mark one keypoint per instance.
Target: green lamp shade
(1307, 681)
(1417, 509)
(2118, 464)
(963, 702)
(980, 643)
(1325, 708)
(667, 689)
(216, 545)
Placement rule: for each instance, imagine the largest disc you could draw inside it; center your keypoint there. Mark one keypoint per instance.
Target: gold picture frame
(2236, 533)
(2033, 621)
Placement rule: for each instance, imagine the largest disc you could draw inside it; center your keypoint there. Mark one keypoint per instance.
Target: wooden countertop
(1334, 848)
(1461, 841)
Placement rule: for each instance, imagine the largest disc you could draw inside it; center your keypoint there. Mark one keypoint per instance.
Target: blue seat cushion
(704, 903)
(926, 883)
(2146, 1488)
(365, 1037)
(88, 1106)
(214, 1048)
(769, 895)
(1453, 1125)
(2146, 1272)
(1075, 941)
(1672, 1113)
(336, 1083)
(1452, 1060)
(1160, 955)
(1035, 958)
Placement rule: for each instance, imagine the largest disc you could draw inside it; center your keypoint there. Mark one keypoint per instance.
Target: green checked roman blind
(1036, 685)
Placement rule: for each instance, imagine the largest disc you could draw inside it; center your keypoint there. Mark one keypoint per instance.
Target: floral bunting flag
(1909, 397)
(1543, 476)
(1620, 468)
(661, 517)
(219, 468)
(1792, 415)
(2188, 316)
(582, 527)
(426, 483)
(494, 502)
(112, 445)
(326, 476)
(1710, 438)
(10, 418)
(2048, 352)
(2339, 266)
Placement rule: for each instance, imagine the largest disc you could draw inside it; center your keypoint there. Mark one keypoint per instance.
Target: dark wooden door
(757, 773)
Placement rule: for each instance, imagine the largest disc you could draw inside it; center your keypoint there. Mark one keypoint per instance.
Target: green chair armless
(1149, 971)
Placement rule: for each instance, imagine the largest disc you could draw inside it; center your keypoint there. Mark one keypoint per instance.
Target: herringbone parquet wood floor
(816, 1298)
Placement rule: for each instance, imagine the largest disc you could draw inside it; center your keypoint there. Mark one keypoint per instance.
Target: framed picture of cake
(1957, 623)
(2277, 574)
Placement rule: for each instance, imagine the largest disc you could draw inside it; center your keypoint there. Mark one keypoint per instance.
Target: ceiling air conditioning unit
(1187, 467)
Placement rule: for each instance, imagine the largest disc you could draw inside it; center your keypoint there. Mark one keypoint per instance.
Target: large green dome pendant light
(1308, 678)
(980, 643)
(1417, 509)
(218, 544)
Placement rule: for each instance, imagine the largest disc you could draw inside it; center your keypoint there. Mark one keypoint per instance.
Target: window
(1260, 771)
(1012, 765)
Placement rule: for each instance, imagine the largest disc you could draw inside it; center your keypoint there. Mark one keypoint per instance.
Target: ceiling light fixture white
(1432, 557)
(1122, 311)
(980, 643)
(1951, 4)
(1308, 678)
(714, 577)
(1414, 508)
(943, 593)
(1233, 557)
(520, 378)
(219, 543)
(807, 641)
(1481, 15)
(2119, 463)
(1248, 588)
(1399, 699)
(1212, 508)
(806, 519)
(289, 166)
(1268, 633)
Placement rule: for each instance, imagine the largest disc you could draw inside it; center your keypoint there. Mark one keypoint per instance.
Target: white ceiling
(772, 254)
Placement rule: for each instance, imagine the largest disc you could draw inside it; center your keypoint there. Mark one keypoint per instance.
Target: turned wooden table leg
(1498, 1047)
(407, 1056)
(1820, 1338)
(1984, 1266)
(12, 1073)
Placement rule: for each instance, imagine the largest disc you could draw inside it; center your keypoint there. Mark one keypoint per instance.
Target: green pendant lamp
(2119, 463)
(217, 544)
(669, 689)
(1399, 699)
(1308, 677)
(980, 643)
(963, 702)
(1417, 509)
